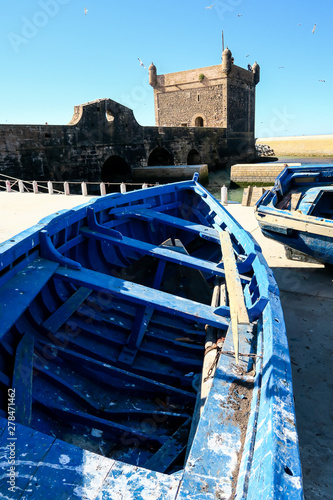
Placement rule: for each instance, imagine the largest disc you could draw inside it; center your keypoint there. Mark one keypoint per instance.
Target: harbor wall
(257, 174)
(104, 142)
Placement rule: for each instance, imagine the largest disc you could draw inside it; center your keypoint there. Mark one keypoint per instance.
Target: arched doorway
(115, 169)
(160, 156)
(199, 122)
(193, 158)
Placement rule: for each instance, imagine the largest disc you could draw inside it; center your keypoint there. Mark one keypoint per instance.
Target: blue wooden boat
(298, 211)
(138, 362)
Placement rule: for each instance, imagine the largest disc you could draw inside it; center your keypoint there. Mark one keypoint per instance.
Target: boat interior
(104, 332)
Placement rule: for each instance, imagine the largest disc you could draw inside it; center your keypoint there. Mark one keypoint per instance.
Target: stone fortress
(204, 115)
(215, 96)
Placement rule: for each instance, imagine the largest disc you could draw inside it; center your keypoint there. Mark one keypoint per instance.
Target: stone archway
(193, 158)
(199, 121)
(160, 157)
(115, 169)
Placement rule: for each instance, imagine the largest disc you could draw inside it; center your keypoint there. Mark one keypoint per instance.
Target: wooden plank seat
(166, 254)
(205, 232)
(143, 295)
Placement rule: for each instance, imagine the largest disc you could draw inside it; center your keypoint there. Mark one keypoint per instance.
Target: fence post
(50, 187)
(66, 188)
(35, 187)
(8, 188)
(224, 195)
(123, 187)
(84, 188)
(21, 186)
(102, 189)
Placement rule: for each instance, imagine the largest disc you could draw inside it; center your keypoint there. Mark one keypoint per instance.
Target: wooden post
(102, 189)
(50, 187)
(8, 187)
(66, 188)
(238, 311)
(35, 187)
(84, 188)
(21, 186)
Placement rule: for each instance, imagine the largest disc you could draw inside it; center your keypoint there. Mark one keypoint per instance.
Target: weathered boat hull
(298, 211)
(121, 371)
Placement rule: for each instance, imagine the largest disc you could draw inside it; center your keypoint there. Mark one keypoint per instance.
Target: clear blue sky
(54, 56)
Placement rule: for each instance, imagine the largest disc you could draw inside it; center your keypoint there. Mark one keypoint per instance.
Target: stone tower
(214, 96)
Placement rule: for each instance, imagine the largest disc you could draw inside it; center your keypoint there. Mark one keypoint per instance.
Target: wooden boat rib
(127, 372)
(298, 211)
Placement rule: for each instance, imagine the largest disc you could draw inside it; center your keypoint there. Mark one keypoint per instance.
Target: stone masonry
(214, 96)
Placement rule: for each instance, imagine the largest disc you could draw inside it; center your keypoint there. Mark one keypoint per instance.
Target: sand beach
(303, 145)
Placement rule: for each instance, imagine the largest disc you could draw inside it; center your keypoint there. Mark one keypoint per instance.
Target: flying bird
(314, 29)
(280, 67)
(85, 10)
(141, 63)
(210, 6)
(321, 80)
(247, 55)
(239, 15)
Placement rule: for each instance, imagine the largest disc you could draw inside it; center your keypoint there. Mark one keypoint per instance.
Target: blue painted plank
(170, 451)
(135, 338)
(126, 208)
(133, 378)
(65, 311)
(16, 294)
(141, 321)
(251, 432)
(166, 254)
(276, 467)
(68, 472)
(216, 446)
(128, 482)
(9, 273)
(22, 379)
(4, 380)
(140, 294)
(3, 424)
(20, 454)
(74, 417)
(151, 215)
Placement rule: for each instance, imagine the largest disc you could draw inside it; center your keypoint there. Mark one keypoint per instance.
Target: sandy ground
(307, 299)
(307, 145)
